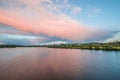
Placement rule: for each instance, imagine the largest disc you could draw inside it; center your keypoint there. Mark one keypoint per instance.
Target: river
(58, 64)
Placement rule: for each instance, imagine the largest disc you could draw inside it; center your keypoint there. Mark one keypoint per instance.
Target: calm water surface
(58, 64)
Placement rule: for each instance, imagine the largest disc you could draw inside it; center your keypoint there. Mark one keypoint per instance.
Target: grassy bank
(90, 46)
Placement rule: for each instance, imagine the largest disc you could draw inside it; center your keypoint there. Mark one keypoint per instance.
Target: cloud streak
(33, 16)
(114, 38)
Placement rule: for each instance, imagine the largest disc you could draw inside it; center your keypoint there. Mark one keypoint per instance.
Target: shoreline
(113, 46)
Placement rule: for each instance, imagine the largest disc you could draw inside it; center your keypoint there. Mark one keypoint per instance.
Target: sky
(34, 22)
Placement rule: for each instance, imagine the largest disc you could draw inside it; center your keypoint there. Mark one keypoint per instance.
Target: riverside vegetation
(90, 46)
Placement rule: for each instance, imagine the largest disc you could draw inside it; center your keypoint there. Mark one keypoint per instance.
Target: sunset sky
(47, 21)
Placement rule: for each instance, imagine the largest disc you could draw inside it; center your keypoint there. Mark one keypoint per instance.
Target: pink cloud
(38, 19)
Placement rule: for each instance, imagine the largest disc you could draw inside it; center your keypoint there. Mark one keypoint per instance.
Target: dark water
(58, 64)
